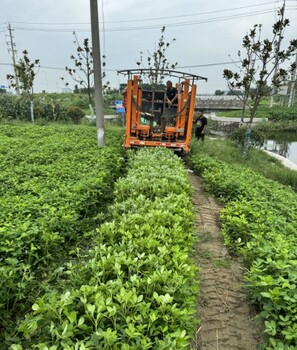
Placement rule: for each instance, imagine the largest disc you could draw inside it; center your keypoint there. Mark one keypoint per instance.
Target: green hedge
(17, 108)
(54, 181)
(259, 222)
(136, 288)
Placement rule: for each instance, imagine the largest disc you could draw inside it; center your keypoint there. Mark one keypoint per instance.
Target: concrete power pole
(97, 73)
(13, 59)
(292, 85)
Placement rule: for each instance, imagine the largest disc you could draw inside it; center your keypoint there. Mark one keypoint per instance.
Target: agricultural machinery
(152, 121)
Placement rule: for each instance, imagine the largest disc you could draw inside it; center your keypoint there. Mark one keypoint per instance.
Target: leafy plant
(257, 138)
(25, 74)
(252, 79)
(259, 223)
(55, 187)
(75, 114)
(135, 287)
(157, 62)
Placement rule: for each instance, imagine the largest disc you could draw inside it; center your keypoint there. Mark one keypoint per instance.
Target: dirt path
(227, 319)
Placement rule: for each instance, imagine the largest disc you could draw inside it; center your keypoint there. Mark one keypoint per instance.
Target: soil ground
(227, 318)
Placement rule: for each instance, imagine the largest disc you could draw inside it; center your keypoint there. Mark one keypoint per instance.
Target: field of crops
(94, 254)
(259, 222)
(97, 245)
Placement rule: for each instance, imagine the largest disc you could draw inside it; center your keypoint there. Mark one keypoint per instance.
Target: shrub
(283, 113)
(75, 114)
(256, 139)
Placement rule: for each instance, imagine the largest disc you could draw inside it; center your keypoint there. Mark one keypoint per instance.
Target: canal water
(283, 144)
(284, 148)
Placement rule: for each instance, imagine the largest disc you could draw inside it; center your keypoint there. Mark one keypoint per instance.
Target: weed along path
(227, 319)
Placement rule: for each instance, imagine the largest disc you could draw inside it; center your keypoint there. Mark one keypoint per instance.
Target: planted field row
(136, 288)
(260, 222)
(53, 183)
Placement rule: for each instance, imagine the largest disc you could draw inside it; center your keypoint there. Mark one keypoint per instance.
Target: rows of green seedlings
(53, 183)
(136, 287)
(260, 222)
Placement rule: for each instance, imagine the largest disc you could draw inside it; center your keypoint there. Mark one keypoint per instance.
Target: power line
(209, 64)
(154, 18)
(116, 69)
(187, 23)
(153, 26)
(43, 67)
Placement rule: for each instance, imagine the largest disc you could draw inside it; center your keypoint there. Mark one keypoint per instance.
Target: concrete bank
(286, 162)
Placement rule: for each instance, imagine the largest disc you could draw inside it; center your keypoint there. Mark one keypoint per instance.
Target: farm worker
(171, 94)
(201, 123)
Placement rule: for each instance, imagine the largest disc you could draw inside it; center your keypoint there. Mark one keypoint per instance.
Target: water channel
(284, 144)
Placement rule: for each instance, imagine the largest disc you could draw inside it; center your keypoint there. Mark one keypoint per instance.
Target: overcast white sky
(206, 33)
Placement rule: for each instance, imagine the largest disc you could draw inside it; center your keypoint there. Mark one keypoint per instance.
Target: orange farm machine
(150, 121)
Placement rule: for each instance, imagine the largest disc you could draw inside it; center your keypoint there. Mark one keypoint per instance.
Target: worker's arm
(174, 98)
(170, 102)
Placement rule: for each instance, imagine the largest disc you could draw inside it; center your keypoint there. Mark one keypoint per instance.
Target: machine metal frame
(150, 121)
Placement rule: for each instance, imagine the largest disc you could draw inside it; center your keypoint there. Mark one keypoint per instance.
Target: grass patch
(256, 159)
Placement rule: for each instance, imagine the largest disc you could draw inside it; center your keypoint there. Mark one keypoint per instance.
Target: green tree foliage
(256, 140)
(25, 72)
(157, 61)
(261, 64)
(75, 114)
(261, 67)
(83, 71)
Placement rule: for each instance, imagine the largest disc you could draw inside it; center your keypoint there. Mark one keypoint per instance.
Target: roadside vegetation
(264, 111)
(54, 107)
(257, 160)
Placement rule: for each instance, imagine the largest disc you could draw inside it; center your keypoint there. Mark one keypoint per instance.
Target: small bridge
(218, 103)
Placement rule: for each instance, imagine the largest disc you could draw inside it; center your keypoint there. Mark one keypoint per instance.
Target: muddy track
(227, 318)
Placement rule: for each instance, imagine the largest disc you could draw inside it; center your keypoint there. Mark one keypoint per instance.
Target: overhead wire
(154, 26)
(154, 18)
(115, 69)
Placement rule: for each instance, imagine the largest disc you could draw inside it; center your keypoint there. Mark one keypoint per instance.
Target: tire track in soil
(227, 318)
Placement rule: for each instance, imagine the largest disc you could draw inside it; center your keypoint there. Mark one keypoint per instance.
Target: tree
(157, 62)
(83, 72)
(260, 68)
(25, 73)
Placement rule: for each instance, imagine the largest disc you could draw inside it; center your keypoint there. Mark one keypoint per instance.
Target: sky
(208, 35)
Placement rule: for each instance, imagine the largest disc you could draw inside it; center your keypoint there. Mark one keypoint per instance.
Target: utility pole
(97, 73)
(292, 85)
(13, 59)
